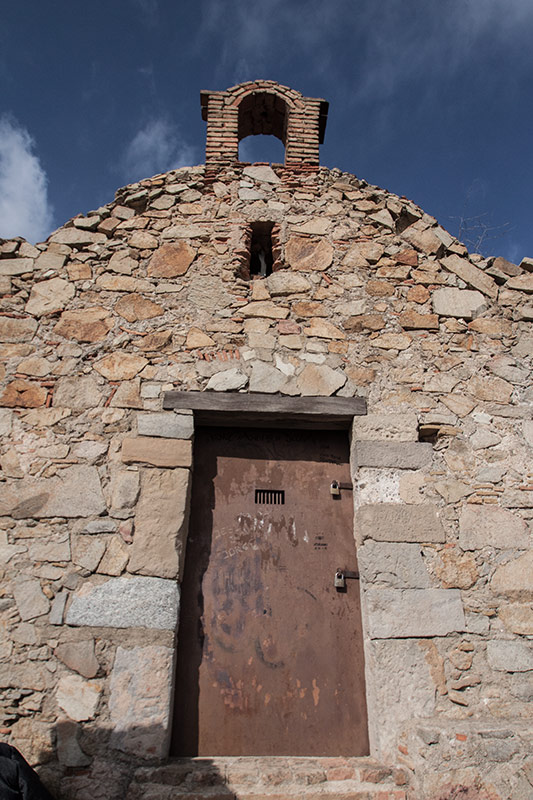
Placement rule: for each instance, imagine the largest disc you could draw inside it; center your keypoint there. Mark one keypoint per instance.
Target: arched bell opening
(263, 116)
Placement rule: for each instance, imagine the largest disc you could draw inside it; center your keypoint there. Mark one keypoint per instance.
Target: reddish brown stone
(380, 288)
(24, 395)
(418, 294)
(155, 341)
(79, 272)
(409, 257)
(287, 326)
(90, 325)
(412, 320)
(308, 308)
(134, 307)
(171, 260)
(370, 322)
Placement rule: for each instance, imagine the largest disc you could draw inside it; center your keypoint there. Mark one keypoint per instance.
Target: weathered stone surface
(515, 655)
(78, 698)
(55, 548)
(209, 293)
(461, 303)
(122, 262)
(397, 613)
(30, 675)
(134, 307)
(324, 330)
(392, 341)
(492, 390)
(361, 322)
(515, 579)
(171, 260)
(228, 380)
(122, 283)
(470, 274)
(491, 526)
(30, 600)
(120, 366)
(522, 283)
(35, 367)
(393, 522)
(127, 395)
(79, 656)
(74, 492)
(309, 308)
(6, 421)
(69, 752)
(518, 618)
(425, 240)
(161, 523)
(491, 326)
(314, 226)
(264, 308)
(157, 451)
(262, 174)
(167, 424)
(400, 566)
(456, 570)
(87, 552)
(13, 329)
(409, 695)
(16, 266)
(265, 378)
(197, 338)
(143, 240)
(115, 558)
(392, 454)
(381, 427)
(140, 700)
(284, 282)
(412, 320)
(136, 602)
(77, 393)
(48, 297)
(23, 394)
(76, 237)
(319, 379)
(363, 253)
(308, 254)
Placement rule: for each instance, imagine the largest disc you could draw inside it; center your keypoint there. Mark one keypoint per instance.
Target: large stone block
(515, 655)
(394, 455)
(394, 522)
(400, 687)
(77, 697)
(400, 613)
(161, 523)
(385, 427)
(400, 566)
(15, 329)
(491, 526)
(461, 303)
(136, 602)
(515, 579)
(157, 451)
(77, 392)
(140, 700)
(73, 492)
(166, 424)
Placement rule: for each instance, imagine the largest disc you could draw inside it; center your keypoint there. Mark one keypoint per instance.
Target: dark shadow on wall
(85, 766)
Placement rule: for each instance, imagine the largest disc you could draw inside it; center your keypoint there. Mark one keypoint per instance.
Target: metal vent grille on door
(270, 497)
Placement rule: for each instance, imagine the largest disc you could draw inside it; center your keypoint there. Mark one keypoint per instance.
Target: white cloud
(24, 206)
(156, 147)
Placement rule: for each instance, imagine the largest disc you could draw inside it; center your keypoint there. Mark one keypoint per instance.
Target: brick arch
(263, 107)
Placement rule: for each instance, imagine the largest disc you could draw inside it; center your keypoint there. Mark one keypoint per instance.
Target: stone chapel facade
(286, 295)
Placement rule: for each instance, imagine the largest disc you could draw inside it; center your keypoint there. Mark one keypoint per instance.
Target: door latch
(341, 575)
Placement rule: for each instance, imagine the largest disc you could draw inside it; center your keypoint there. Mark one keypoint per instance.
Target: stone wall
(372, 298)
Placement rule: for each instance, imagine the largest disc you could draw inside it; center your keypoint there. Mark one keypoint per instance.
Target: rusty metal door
(270, 653)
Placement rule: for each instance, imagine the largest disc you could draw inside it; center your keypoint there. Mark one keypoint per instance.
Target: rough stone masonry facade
(370, 297)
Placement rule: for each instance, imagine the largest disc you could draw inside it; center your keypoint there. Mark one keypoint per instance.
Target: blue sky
(431, 99)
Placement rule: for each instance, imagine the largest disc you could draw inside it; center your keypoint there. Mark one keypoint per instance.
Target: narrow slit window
(270, 497)
(261, 258)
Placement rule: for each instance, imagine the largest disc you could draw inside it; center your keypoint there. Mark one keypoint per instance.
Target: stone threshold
(269, 778)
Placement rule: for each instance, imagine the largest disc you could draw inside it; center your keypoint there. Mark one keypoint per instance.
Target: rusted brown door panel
(270, 657)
